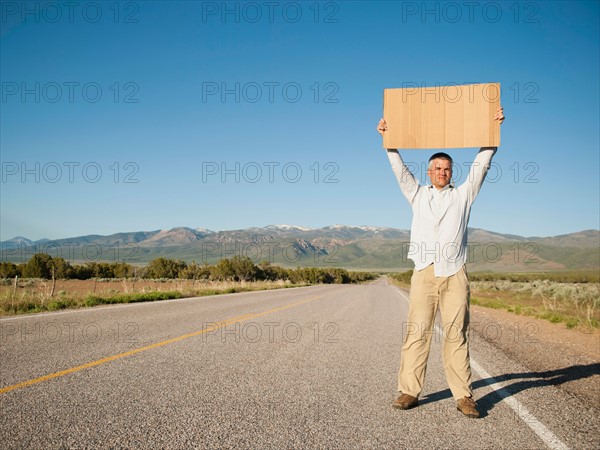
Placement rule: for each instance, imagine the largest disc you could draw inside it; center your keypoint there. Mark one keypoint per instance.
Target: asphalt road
(311, 367)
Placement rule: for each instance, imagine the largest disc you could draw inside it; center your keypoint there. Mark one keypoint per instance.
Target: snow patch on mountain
(285, 227)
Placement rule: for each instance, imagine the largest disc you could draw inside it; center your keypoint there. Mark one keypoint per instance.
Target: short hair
(439, 155)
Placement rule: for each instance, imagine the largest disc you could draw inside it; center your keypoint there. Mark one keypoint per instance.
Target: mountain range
(351, 247)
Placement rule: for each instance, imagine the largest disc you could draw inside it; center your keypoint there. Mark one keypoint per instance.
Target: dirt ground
(566, 358)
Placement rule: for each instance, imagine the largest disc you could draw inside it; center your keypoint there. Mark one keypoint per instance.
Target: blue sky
(149, 115)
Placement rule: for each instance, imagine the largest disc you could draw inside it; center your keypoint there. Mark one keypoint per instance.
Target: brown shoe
(468, 407)
(405, 401)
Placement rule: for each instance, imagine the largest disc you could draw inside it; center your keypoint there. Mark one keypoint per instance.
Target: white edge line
(544, 433)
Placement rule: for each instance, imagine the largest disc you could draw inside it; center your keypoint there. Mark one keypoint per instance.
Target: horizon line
(299, 227)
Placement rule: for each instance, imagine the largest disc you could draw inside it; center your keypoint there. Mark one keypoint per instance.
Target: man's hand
(498, 116)
(382, 127)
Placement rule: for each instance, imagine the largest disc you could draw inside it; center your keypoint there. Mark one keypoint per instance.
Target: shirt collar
(448, 186)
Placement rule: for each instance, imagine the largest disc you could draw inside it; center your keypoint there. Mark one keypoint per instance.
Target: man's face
(440, 173)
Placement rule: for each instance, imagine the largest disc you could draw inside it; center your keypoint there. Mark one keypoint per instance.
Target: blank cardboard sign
(442, 117)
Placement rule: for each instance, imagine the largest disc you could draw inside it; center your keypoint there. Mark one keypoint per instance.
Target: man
(438, 247)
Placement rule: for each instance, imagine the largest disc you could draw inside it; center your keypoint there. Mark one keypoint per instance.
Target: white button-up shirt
(438, 234)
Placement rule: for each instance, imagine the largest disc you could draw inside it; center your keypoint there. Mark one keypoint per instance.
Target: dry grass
(572, 298)
(575, 304)
(34, 295)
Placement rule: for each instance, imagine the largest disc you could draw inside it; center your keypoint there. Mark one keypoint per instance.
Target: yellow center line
(213, 327)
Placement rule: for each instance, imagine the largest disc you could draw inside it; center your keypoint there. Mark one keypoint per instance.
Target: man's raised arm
(481, 165)
(408, 184)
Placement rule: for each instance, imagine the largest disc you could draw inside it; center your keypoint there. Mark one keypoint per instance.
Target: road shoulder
(568, 359)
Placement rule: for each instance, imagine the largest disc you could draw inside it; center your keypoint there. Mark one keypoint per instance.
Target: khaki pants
(451, 295)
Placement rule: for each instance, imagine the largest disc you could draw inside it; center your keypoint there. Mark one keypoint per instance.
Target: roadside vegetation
(572, 297)
(47, 284)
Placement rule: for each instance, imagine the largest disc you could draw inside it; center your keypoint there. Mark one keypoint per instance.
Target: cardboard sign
(453, 116)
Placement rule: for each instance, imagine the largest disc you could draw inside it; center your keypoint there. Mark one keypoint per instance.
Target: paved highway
(307, 367)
